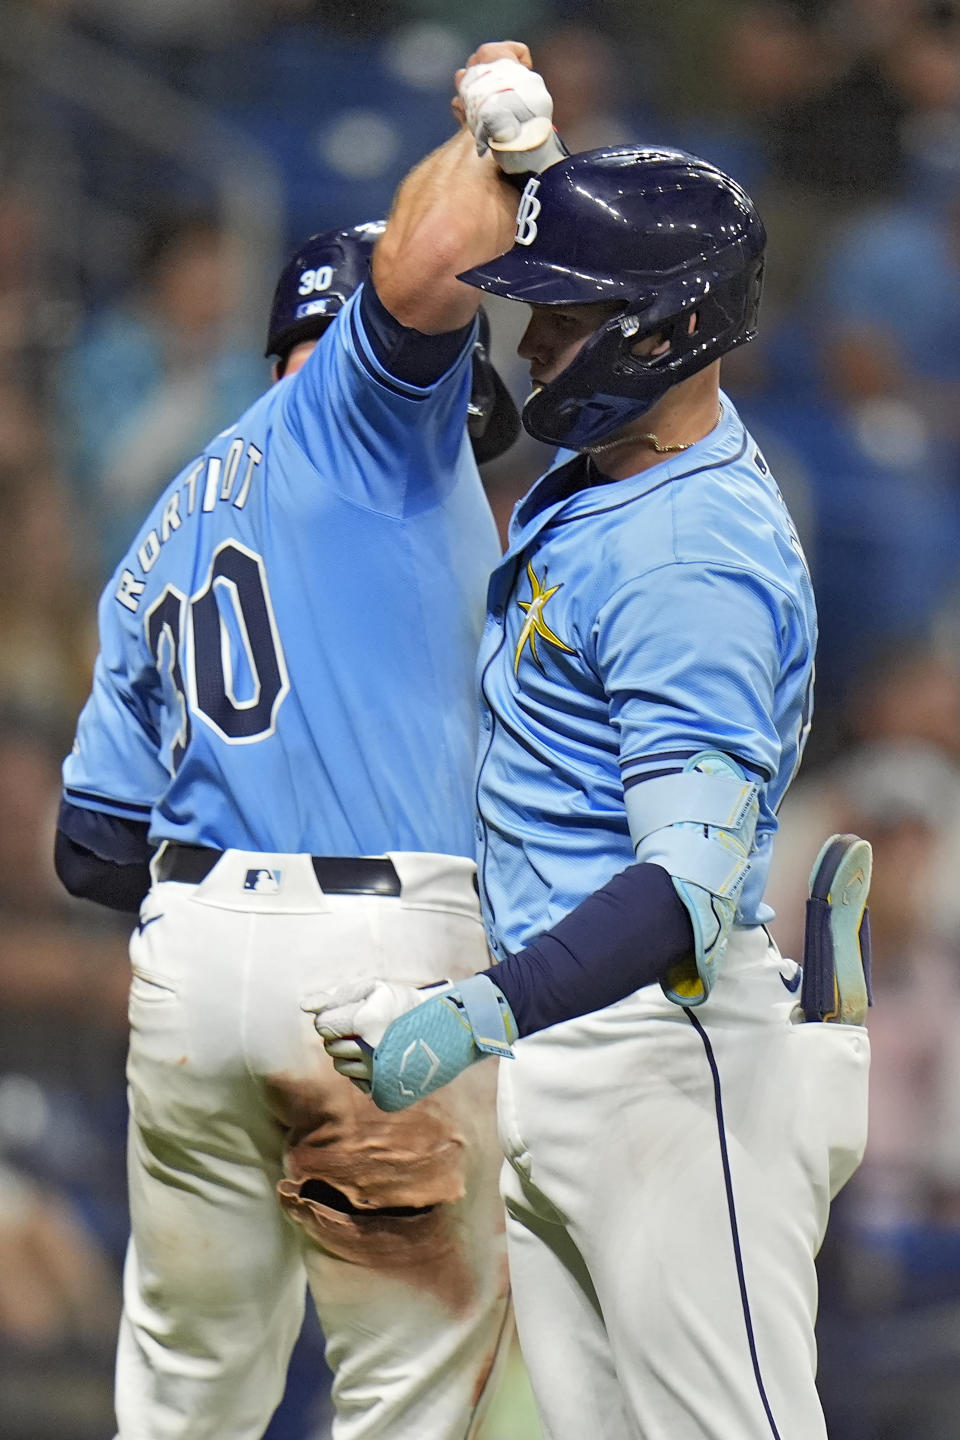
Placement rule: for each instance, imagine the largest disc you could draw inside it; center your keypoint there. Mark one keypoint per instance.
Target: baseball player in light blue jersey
(282, 729)
(675, 1115)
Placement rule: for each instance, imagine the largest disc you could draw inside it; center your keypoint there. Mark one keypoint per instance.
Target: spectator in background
(902, 709)
(892, 316)
(56, 1288)
(62, 961)
(57, 1300)
(592, 105)
(153, 376)
(906, 799)
(865, 392)
(820, 107)
(888, 434)
(47, 639)
(907, 693)
(891, 1291)
(763, 60)
(63, 979)
(33, 311)
(836, 94)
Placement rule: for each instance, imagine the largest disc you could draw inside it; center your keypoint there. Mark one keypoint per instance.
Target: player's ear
(276, 371)
(654, 345)
(651, 345)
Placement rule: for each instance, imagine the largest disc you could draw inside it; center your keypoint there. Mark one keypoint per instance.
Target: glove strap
(487, 1011)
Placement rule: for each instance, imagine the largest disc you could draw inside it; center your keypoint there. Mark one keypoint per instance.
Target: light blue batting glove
(398, 1043)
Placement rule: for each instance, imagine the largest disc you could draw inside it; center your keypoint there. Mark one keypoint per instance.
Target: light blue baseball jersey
(630, 625)
(288, 647)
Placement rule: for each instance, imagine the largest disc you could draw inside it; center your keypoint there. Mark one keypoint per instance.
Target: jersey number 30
(221, 650)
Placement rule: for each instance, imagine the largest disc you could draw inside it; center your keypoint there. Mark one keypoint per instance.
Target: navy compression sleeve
(408, 354)
(623, 936)
(102, 858)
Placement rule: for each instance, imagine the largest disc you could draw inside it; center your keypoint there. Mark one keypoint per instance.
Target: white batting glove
(510, 111)
(352, 1020)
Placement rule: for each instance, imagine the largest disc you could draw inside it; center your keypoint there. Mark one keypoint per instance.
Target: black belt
(336, 874)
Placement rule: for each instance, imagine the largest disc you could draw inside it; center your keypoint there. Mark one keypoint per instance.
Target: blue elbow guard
(431, 1044)
(699, 825)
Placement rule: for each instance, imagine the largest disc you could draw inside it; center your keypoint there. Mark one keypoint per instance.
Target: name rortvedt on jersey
(220, 475)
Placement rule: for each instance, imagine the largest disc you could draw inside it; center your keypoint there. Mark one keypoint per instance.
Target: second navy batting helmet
(662, 233)
(319, 280)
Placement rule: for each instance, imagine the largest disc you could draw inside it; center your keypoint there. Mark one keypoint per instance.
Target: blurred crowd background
(157, 159)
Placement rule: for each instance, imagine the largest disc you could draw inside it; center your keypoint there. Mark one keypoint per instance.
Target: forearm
(620, 938)
(54, 964)
(453, 211)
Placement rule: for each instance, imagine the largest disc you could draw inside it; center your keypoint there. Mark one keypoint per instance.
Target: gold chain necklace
(648, 439)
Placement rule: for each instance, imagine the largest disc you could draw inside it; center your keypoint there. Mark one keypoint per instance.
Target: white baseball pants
(668, 1183)
(254, 1168)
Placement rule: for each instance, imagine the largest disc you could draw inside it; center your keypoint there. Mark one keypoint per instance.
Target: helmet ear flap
(493, 421)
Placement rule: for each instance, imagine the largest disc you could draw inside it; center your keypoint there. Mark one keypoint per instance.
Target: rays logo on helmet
(527, 212)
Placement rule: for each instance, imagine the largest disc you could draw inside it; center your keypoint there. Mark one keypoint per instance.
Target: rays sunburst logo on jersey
(534, 626)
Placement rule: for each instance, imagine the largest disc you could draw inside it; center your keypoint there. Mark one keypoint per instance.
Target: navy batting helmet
(663, 233)
(317, 282)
